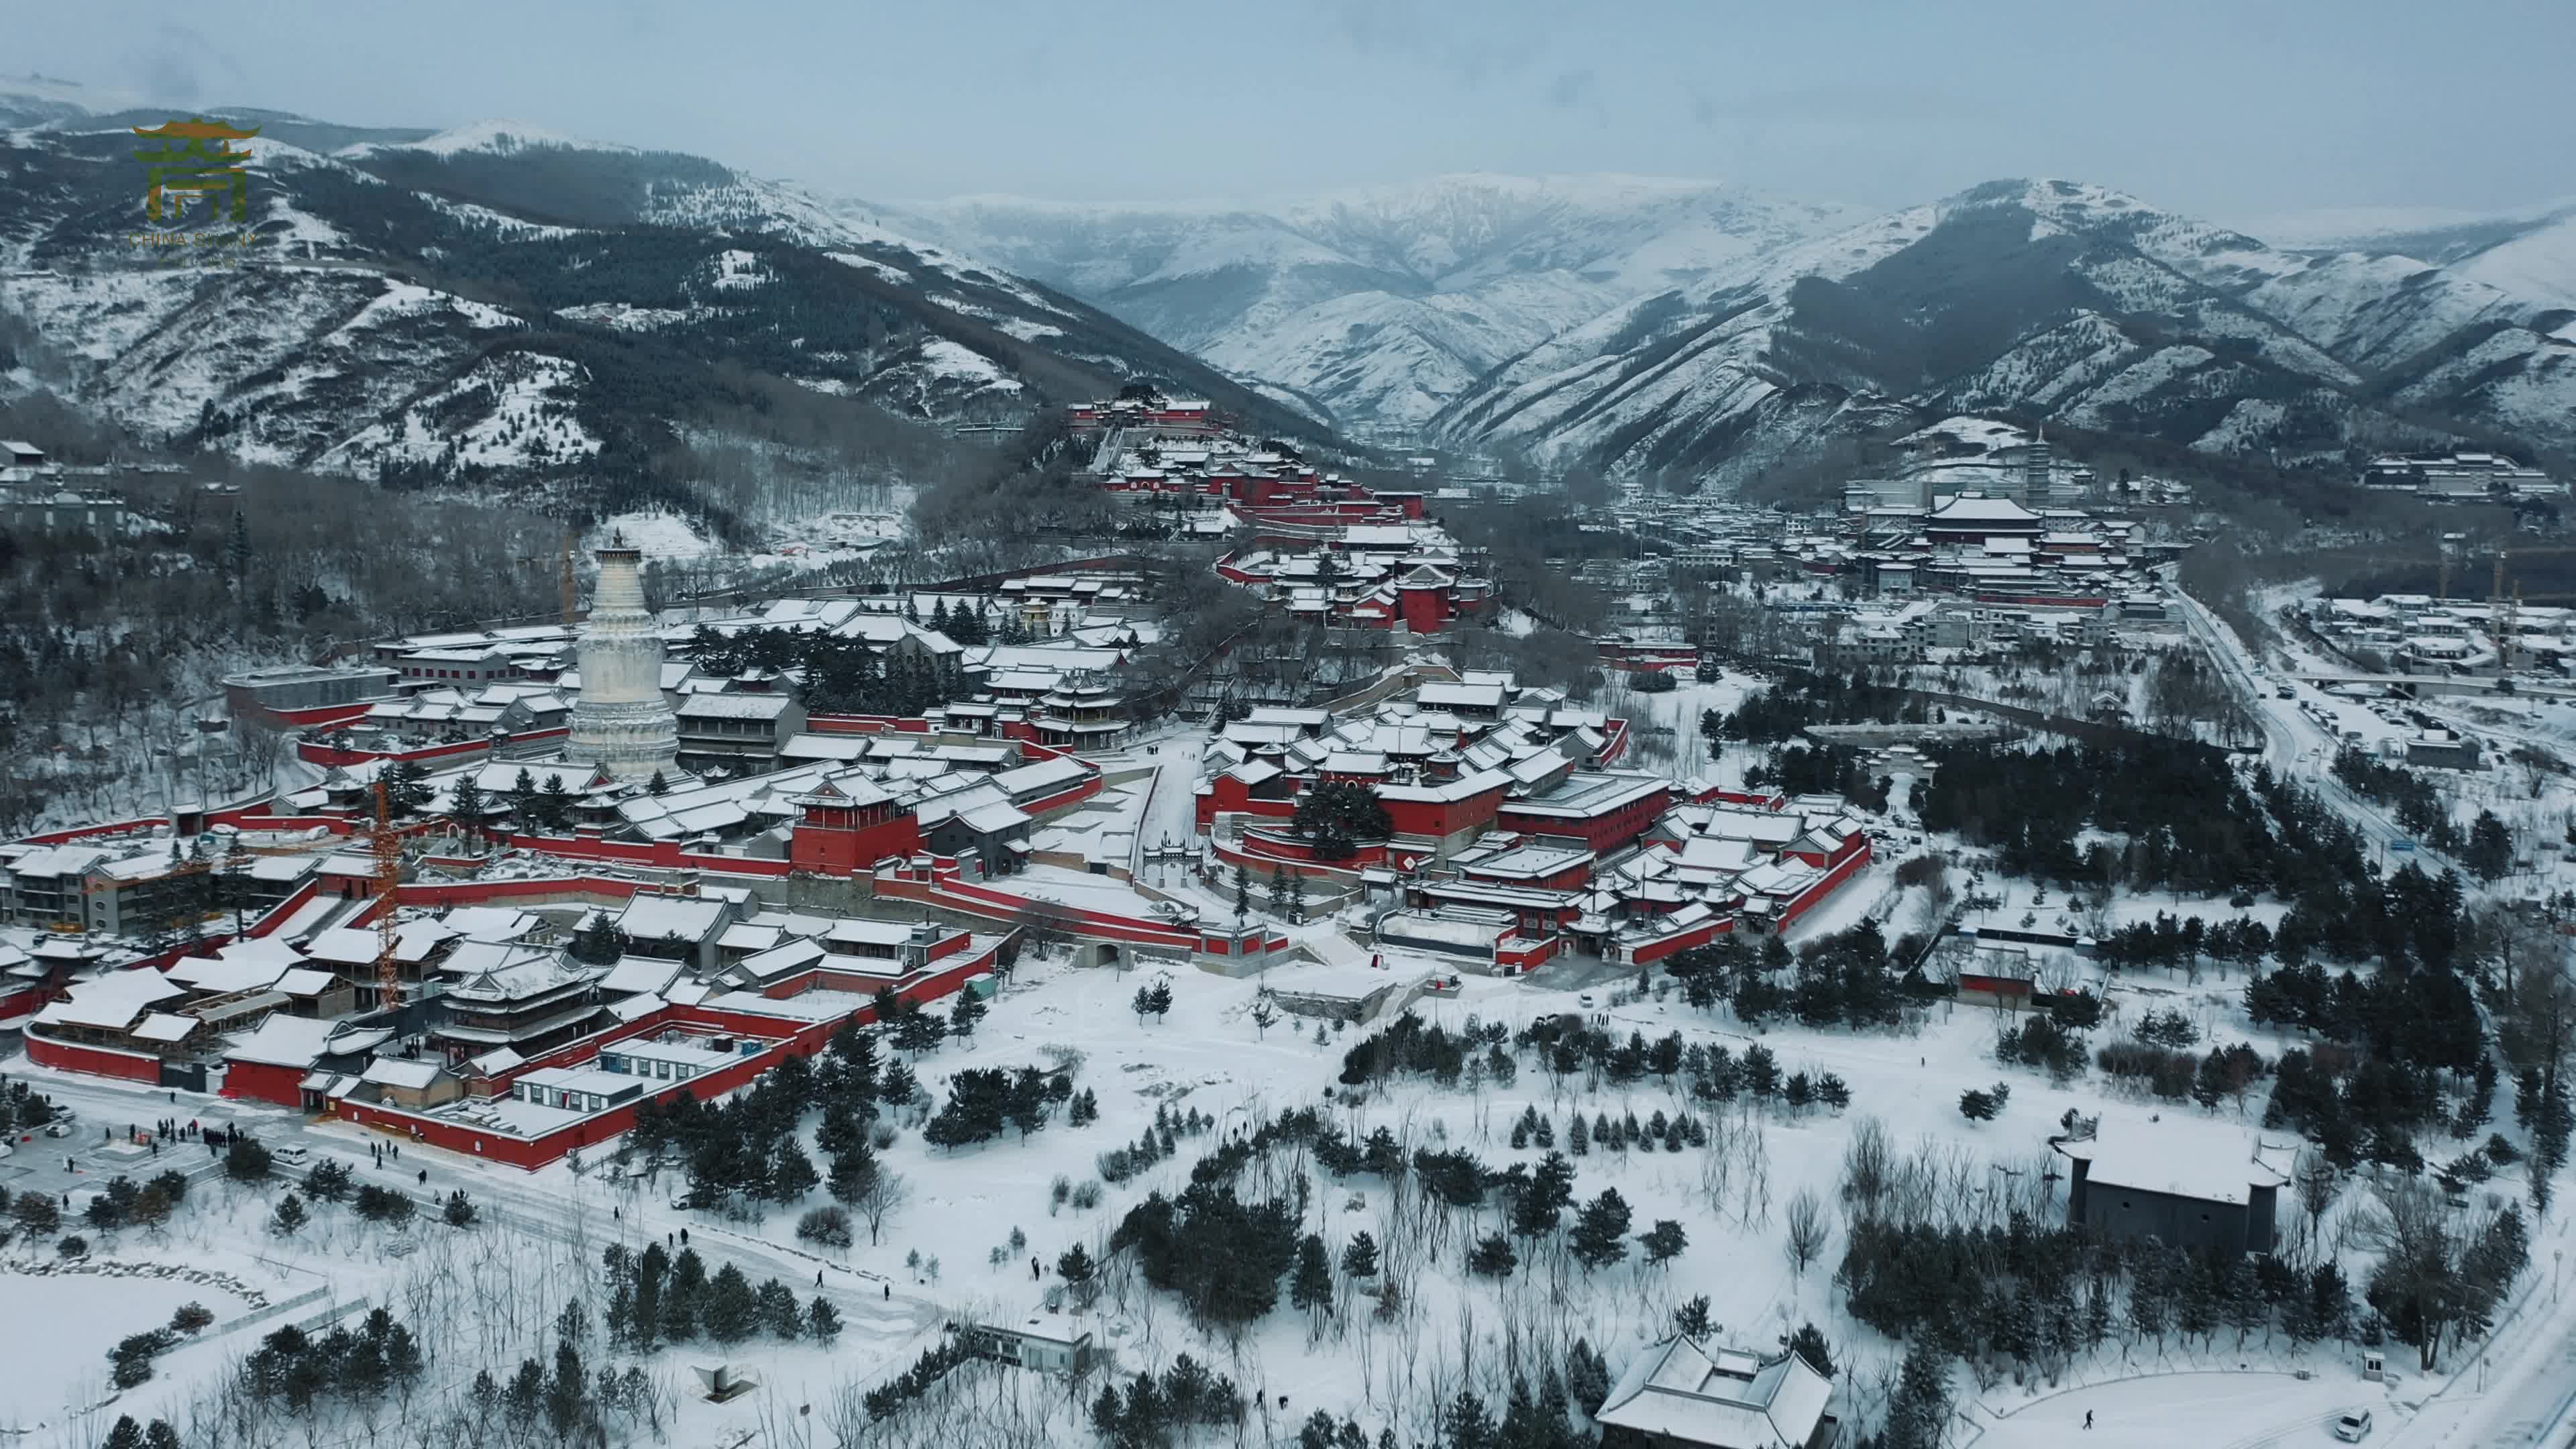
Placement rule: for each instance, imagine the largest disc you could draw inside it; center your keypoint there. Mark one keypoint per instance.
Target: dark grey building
(2178, 1182)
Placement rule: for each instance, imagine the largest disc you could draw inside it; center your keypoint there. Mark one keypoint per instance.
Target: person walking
(424, 1177)
(2088, 1418)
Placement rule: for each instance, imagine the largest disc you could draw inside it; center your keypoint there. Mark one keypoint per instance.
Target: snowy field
(57, 1329)
(491, 1292)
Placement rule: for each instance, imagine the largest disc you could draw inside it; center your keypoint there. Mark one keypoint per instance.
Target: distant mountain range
(1380, 307)
(1638, 325)
(497, 299)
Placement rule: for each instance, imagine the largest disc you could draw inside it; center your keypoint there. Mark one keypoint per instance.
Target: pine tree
(822, 1321)
(791, 1173)
(289, 1217)
(779, 1312)
(1663, 1242)
(732, 1308)
(1492, 1257)
(1587, 1376)
(683, 1296)
(1600, 1235)
(1690, 1320)
(1311, 1288)
(466, 806)
(963, 1016)
(127, 1434)
(1922, 1402)
(1359, 1257)
(1809, 1343)
(1466, 1425)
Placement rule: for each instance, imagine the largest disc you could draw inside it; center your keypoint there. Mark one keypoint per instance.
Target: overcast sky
(2237, 109)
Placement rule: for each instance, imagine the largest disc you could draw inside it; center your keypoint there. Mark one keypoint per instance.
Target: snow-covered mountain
(504, 298)
(1379, 306)
(2051, 299)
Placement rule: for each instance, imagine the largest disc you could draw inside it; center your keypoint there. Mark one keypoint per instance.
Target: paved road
(2288, 735)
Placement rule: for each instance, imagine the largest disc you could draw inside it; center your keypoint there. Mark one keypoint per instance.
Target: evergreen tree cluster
(2190, 826)
(1155, 1412)
(123, 1204)
(833, 673)
(888, 1399)
(1338, 817)
(2173, 942)
(2355, 1109)
(573, 1406)
(344, 1366)
(2038, 1297)
(1819, 770)
(1799, 698)
(1155, 1143)
(2428, 1017)
(655, 1298)
(1528, 1421)
(1221, 1256)
(540, 809)
(2408, 795)
(746, 1148)
(982, 1101)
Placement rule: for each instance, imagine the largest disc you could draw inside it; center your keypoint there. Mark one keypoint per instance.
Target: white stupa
(621, 720)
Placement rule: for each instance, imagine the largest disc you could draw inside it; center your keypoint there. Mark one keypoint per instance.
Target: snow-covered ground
(937, 1259)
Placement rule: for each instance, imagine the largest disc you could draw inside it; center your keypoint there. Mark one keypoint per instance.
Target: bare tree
(1809, 1227)
(884, 1191)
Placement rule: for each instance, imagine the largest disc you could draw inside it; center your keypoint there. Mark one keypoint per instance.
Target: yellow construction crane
(387, 848)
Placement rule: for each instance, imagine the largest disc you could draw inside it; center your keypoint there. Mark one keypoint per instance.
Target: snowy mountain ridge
(499, 298)
(1378, 304)
(2054, 299)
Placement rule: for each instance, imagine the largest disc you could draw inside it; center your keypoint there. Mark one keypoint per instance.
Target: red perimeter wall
(96, 1061)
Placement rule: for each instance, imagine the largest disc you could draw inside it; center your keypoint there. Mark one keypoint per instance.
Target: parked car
(292, 1155)
(2354, 1427)
(1584, 1001)
(58, 1129)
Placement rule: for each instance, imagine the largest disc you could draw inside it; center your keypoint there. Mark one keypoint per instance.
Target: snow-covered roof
(639, 974)
(110, 1002)
(2209, 1162)
(1723, 1398)
(396, 1072)
(282, 1041)
(650, 918)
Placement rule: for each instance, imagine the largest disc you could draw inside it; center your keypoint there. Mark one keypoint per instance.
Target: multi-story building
(739, 733)
(534, 999)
